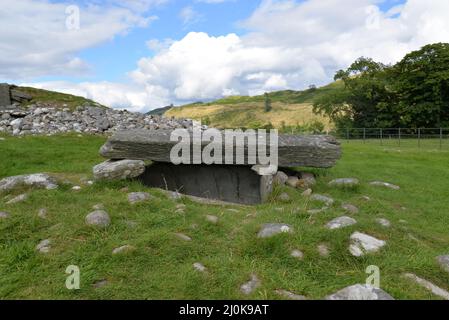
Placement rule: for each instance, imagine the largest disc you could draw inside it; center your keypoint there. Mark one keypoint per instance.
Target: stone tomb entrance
(244, 184)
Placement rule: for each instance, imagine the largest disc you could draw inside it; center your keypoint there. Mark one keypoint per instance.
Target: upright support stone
(5, 97)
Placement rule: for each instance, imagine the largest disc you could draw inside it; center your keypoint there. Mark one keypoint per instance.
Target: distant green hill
(57, 99)
(290, 108)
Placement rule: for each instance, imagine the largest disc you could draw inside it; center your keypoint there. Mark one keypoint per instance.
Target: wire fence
(433, 138)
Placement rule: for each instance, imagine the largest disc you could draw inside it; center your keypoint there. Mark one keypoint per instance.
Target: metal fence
(435, 138)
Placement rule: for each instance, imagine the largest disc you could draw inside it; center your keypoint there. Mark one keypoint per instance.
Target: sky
(144, 54)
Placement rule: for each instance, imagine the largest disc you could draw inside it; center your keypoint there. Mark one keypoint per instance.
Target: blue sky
(143, 54)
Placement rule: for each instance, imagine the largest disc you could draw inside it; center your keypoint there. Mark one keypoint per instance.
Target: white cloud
(289, 45)
(34, 39)
(189, 15)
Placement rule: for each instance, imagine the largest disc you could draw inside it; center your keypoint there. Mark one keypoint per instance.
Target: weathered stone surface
(350, 208)
(321, 198)
(98, 219)
(280, 178)
(384, 184)
(250, 286)
(182, 236)
(19, 198)
(136, 197)
(5, 97)
(317, 211)
(383, 222)
(361, 243)
(123, 249)
(284, 197)
(42, 213)
(360, 292)
(298, 254)
(323, 250)
(118, 170)
(341, 222)
(212, 219)
(155, 145)
(292, 181)
(307, 193)
(443, 261)
(44, 246)
(199, 267)
(271, 229)
(290, 295)
(428, 285)
(100, 284)
(344, 183)
(4, 215)
(38, 180)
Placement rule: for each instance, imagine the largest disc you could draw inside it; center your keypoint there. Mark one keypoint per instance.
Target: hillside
(290, 108)
(56, 99)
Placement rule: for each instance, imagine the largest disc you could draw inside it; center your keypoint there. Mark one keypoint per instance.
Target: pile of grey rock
(39, 119)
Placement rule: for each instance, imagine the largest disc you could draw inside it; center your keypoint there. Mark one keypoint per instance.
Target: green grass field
(161, 267)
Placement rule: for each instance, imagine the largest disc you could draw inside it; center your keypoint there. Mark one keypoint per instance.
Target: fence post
(399, 136)
(381, 137)
(347, 135)
(364, 135)
(419, 138)
(441, 138)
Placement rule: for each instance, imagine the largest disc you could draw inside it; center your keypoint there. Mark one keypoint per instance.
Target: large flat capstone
(293, 151)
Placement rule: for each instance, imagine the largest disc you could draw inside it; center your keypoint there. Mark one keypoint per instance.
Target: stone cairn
(235, 183)
(43, 119)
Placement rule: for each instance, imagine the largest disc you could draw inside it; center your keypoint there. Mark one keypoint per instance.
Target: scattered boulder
(350, 208)
(19, 198)
(323, 250)
(271, 229)
(383, 222)
(212, 219)
(284, 197)
(289, 295)
(124, 249)
(307, 193)
(320, 198)
(360, 292)
(199, 267)
(297, 254)
(4, 215)
(118, 170)
(38, 180)
(384, 184)
(98, 218)
(280, 178)
(361, 243)
(249, 287)
(42, 213)
(44, 246)
(428, 285)
(136, 197)
(344, 183)
(183, 237)
(444, 262)
(341, 222)
(292, 181)
(307, 180)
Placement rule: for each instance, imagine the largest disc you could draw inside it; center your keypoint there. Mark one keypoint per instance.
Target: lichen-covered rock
(360, 292)
(361, 243)
(99, 219)
(136, 197)
(123, 249)
(37, 180)
(344, 183)
(341, 222)
(250, 286)
(271, 229)
(280, 178)
(118, 170)
(324, 199)
(292, 181)
(44, 246)
(350, 208)
(385, 184)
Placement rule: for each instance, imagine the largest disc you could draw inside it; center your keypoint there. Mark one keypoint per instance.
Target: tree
(268, 107)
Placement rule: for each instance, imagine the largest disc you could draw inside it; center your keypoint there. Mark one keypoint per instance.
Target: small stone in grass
(42, 213)
(360, 292)
(366, 198)
(233, 210)
(44, 246)
(284, 197)
(183, 237)
(316, 211)
(341, 222)
(383, 222)
(98, 218)
(320, 198)
(249, 287)
(18, 199)
(385, 184)
(297, 254)
(307, 193)
(271, 229)
(344, 183)
(350, 208)
(292, 181)
(444, 262)
(428, 285)
(123, 249)
(76, 188)
(100, 284)
(362, 243)
(280, 178)
(180, 206)
(98, 206)
(212, 219)
(323, 250)
(199, 267)
(136, 197)
(4, 215)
